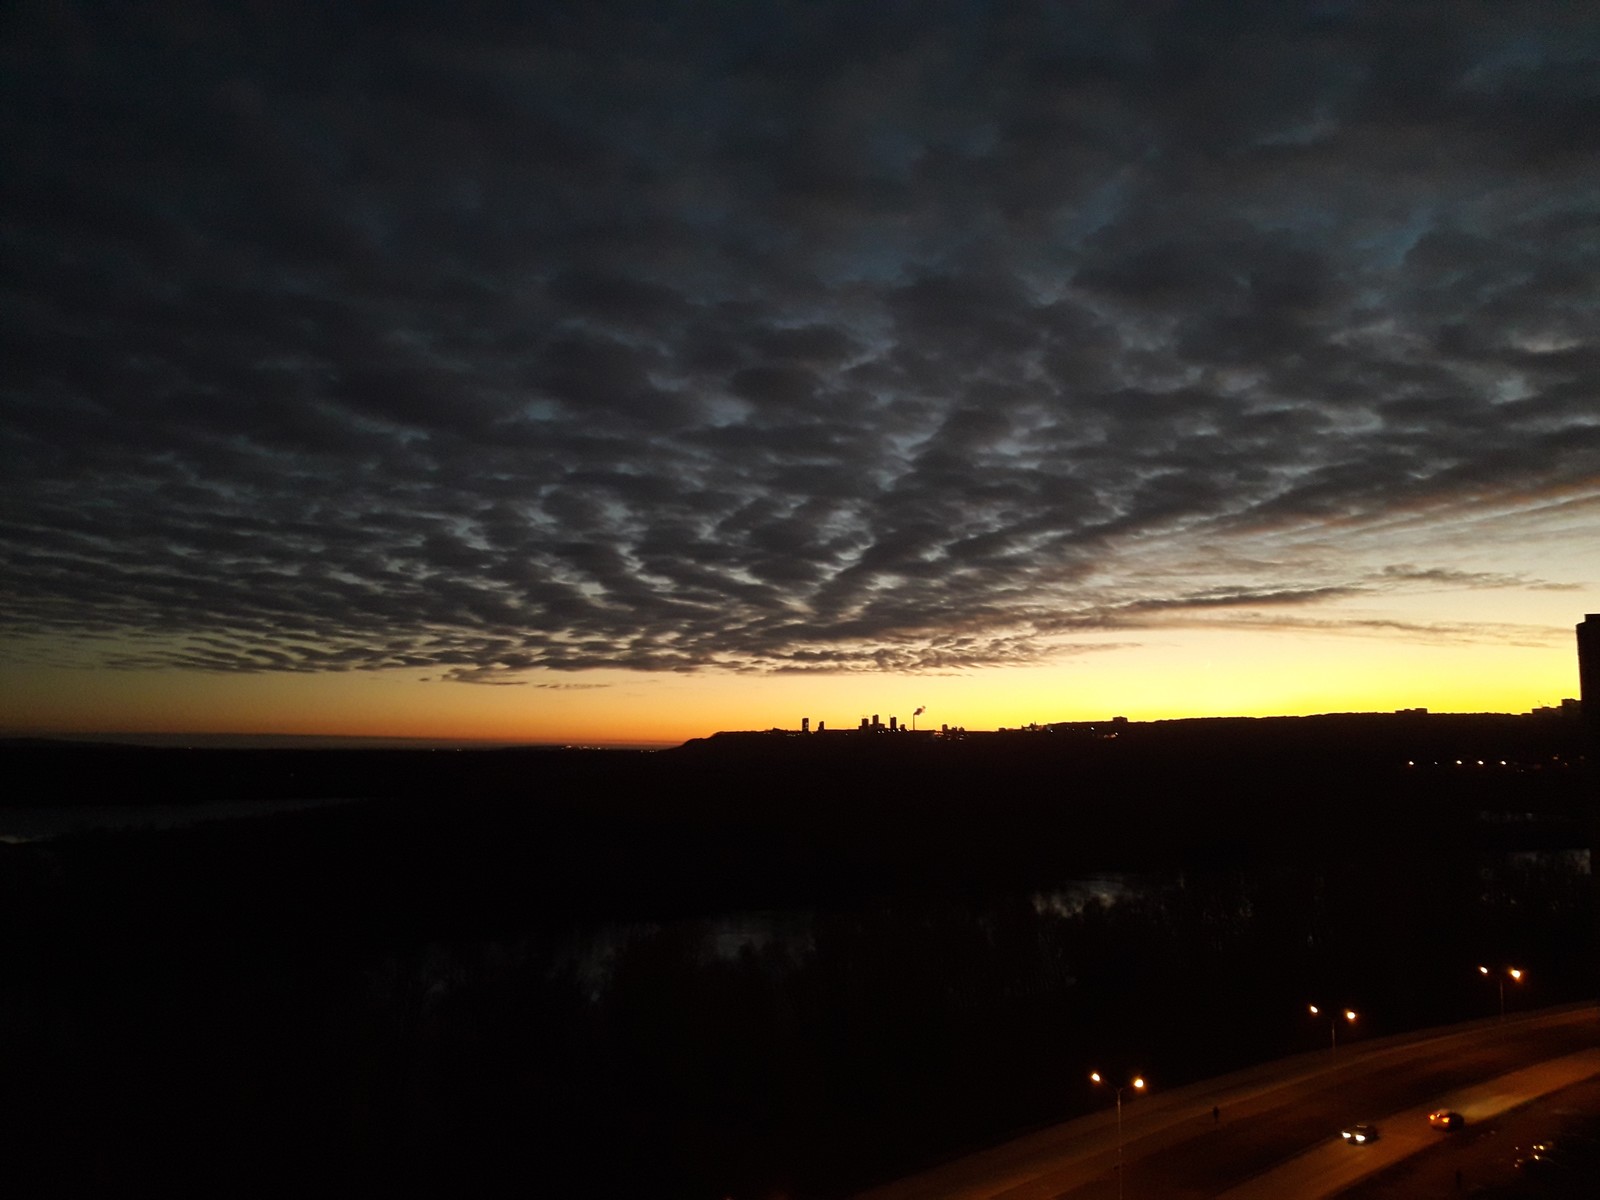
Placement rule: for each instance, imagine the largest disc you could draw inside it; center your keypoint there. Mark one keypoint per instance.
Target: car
(1358, 1135)
(1445, 1118)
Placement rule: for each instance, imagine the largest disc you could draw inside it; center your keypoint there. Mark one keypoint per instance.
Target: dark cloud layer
(777, 336)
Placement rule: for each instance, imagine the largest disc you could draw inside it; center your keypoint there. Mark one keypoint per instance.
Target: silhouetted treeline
(762, 819)
(757, 962)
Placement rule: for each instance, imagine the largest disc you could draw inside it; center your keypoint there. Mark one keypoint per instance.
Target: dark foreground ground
(753, 966)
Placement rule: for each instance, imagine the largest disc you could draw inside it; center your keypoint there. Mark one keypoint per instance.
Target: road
(1278, 1126)
(1334, 1166)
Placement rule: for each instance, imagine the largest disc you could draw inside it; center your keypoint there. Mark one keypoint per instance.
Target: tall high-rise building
(1589, 681)
(1589, 698)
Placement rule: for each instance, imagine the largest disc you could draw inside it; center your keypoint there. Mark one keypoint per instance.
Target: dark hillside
(756, 961)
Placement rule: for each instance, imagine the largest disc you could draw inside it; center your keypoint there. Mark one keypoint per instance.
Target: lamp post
(1349, 1015)
(1137, 1084)
(1514, 973)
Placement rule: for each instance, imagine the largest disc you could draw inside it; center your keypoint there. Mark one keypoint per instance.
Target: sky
(619, 373)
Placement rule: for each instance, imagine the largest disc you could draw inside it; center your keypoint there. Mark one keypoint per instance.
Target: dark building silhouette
(1589, 679)
(1589, 701)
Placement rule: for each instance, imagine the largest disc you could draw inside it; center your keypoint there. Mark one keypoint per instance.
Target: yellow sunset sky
(1180, 673)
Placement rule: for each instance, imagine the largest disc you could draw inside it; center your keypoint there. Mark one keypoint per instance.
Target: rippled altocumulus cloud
(778, 337)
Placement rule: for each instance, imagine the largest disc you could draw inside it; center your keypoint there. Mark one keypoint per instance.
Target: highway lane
(1484, 1153)
(1335, 1166)
(1279, 1117)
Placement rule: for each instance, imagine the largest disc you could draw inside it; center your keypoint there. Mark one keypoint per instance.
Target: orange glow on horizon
(1183, 674)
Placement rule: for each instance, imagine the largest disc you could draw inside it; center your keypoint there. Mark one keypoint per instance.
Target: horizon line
(265, 740)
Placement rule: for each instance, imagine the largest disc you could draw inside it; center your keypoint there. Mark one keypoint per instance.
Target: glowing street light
(1515, 974)
(1348, 1014)
(1137, 1084)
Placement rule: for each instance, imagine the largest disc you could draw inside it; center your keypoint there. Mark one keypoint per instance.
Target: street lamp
(1137, 1084)
(1349, 1015)
(1515, 974)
